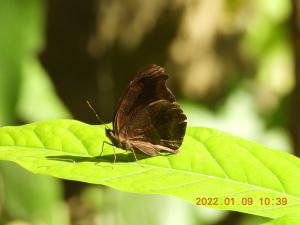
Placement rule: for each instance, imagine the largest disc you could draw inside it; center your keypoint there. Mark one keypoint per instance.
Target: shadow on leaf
(105, 158)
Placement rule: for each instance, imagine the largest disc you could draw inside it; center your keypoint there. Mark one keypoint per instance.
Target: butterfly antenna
(96, 114)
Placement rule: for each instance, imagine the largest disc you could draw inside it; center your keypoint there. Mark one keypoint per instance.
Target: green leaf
(37, 91)
(211, 164)
(292, 219)
(21, 21)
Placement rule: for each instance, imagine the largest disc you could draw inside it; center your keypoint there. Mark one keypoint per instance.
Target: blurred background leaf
(27, 94)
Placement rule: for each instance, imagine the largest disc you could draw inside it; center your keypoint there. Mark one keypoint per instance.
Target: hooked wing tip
(153, 70)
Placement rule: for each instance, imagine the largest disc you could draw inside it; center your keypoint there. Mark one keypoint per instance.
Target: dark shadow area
(120, 157)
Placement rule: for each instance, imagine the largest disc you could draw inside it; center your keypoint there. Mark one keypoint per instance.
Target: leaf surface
(213, 168)
(291, 219)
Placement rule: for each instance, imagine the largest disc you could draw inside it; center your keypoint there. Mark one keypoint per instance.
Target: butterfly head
(111, 135)
(116, 140)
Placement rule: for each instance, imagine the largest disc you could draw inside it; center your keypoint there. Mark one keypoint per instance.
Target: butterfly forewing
(147, 86)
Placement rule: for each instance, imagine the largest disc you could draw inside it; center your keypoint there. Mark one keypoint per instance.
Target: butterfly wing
(162, 123)
(149, 148)
(147, 86)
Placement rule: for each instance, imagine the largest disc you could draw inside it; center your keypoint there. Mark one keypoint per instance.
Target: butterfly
(148, 120)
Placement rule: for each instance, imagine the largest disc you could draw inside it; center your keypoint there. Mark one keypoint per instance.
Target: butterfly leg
(104, 142)
(114, 149)
(136, 159)
(115, 157)
(102, 149)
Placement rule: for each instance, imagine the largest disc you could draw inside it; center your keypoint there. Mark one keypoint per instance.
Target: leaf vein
(257, 159)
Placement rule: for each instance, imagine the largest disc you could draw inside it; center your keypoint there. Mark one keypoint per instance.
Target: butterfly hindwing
(160, 123)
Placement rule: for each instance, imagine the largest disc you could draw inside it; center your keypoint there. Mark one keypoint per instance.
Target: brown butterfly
(148, 119)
